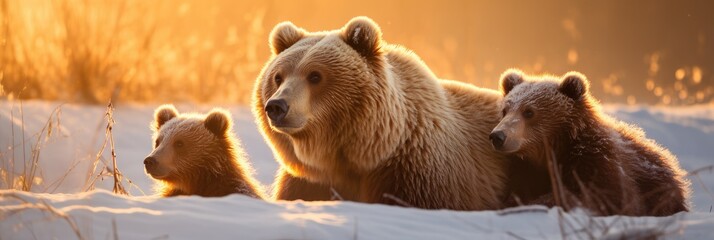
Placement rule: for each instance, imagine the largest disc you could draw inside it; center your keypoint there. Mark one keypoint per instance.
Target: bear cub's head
(536, 109)
(185, 144)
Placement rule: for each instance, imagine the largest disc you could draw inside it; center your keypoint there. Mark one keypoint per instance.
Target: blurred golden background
(634, 52)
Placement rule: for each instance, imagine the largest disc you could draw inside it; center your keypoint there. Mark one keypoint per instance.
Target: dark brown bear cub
(604, 165)
(196, 154)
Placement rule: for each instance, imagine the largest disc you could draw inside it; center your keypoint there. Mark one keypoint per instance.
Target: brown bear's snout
(276, 109)
(497, 139)
(150, 163)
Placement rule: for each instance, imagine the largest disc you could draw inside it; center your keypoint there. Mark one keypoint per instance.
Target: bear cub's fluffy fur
(605, 165)
(198, 155)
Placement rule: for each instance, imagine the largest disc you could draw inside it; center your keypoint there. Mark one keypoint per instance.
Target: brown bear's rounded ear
(509, 79)
(218, 121)
(163, 114)
(574, 85)
(364, 36)
(284, 35)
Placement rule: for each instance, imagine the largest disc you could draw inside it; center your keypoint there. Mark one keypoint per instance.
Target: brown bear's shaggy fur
(605, 165)
(198, 155)
(346, 113)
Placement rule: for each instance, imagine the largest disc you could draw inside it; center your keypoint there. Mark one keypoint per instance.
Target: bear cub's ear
(364, 36)
(509, 80)
(284, 35)
(163, 114)
(574, 85)
(218, 122)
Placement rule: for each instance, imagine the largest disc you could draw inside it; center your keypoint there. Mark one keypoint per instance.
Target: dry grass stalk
(118, 187)
(87, 51)
(554, 172)
(397, 200)
(30, 169)
(44, 206)
(114, 171)
(695, 173)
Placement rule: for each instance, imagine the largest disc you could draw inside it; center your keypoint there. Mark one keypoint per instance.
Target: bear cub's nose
(276, 110)
(497, 139)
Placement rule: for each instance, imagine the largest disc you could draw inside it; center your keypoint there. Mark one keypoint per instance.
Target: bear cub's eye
(278, 79)
(314, 77)
(528, 113)
(504, 111)
(178, 143)
(158, 141)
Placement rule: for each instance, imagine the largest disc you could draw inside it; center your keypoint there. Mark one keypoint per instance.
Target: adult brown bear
(345, 110)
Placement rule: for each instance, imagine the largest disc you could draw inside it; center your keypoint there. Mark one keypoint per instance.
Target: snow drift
(60, 211)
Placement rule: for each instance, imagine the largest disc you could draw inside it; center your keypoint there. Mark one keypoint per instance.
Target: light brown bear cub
(605, 165)
(347, 113)
(198, 155)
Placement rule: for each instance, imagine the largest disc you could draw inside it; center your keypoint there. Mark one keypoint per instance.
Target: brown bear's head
(315, 76)
(317, 85)
(536, 109)
(187, 143)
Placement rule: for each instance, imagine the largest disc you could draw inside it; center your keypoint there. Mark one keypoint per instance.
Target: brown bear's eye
(278, 79)
(179, 144)
(158, 141)
(505, 110)
(314, 78)
(528, 113)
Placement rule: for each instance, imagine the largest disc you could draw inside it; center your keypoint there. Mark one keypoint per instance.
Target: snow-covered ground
(687, 131)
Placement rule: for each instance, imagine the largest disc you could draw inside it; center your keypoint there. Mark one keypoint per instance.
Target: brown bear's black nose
(276, 110)
(150, 161)
(497, 139)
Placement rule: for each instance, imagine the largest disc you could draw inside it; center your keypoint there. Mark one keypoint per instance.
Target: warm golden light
(130, 210)
(650, 84)
(683, 94)
(680, 74)
(700, 95)
(658, 91)
(631, 100)
(696, 75)
(654, 63)
(572, 56)
(190, 50)
(666, 99)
